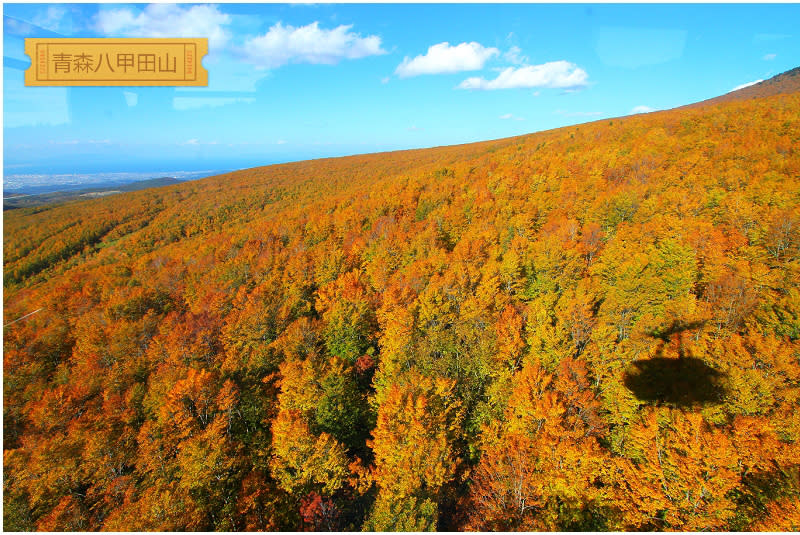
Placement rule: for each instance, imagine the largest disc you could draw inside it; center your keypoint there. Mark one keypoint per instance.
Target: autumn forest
(589, 328)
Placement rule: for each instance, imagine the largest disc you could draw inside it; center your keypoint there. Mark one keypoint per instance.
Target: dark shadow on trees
(681, 382)
(757, 490)
(684, 381)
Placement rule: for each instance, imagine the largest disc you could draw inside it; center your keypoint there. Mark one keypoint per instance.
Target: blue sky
(290, 82)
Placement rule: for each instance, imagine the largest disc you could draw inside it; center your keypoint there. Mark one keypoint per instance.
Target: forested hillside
(592, 328)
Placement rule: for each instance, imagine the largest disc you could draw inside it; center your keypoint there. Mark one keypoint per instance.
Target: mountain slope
(589, 328)
(785, 83)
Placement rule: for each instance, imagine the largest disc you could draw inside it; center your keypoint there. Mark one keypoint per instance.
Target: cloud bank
(554, 75)
(309, 44)
(443, 58)
(166, 20)
(514, 55)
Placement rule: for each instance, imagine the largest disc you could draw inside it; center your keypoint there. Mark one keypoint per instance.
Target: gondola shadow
(683, 382)
(680, 382)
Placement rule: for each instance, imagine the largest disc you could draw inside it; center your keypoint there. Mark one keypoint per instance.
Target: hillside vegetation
(590, 328)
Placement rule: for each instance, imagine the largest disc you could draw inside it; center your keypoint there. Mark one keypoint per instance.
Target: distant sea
(48, 176)
(34, 183)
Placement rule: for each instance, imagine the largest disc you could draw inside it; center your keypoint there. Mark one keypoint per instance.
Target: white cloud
(309, 44)
(554, 74)
(67, 142)
(51, 19)
(748, 84)
(514, 55)
(18, 27)
(642, 109)
(510, 116)
(166, 20)
(131, 99)
(385, 80)
(770, 57)
(443, 58)
(62, 19)
(415, 128)
(281, 142)
(196, 142)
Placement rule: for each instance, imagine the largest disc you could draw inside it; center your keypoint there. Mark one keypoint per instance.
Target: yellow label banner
(113, 61)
